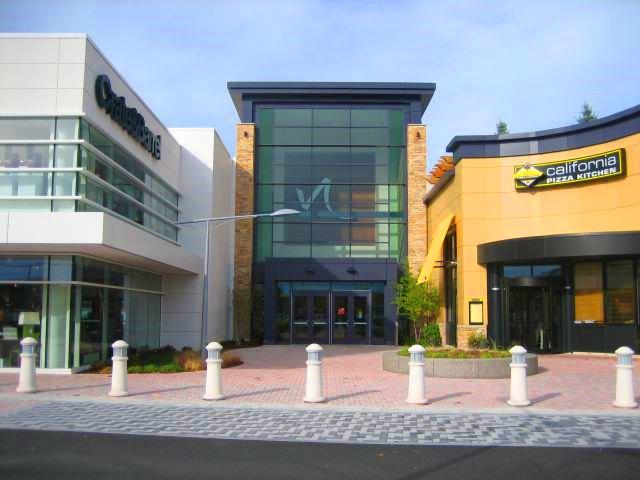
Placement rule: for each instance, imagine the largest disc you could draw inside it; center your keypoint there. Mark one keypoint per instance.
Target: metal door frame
(350, 294)
(530, 284)
(309, 296)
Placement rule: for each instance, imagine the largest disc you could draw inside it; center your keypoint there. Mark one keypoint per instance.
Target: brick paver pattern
(264, 400)
(331, 426)
(353, 377)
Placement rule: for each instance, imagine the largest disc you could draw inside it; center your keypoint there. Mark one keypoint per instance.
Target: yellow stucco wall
(488, 208)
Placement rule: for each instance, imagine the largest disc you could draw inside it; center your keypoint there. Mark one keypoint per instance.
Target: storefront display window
(621, 295)
(589, 294)
(75, 323)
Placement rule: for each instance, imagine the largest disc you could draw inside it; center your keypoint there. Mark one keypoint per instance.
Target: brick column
(416, 189)
(245, 160)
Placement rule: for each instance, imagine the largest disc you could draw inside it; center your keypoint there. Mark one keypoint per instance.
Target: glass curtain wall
(76, 307)
(344, 169)
(73, 177)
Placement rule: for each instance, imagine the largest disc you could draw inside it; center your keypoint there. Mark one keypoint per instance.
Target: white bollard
(313, 392)
(213, 385)
(119, 382)
(27, 381)
(417, 391)
(624, 379)
(518, 396)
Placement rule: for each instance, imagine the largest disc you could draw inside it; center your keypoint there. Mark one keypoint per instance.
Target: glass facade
(97, 175)
(344, 169)
(76, 307)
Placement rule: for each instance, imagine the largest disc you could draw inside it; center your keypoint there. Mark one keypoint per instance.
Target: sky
(530, 63)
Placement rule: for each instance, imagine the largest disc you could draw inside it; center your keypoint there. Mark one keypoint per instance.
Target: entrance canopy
(434, 249)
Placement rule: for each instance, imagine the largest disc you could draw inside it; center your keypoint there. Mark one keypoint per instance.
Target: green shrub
(151, 368)
(458, 353)
(134, 369)
(478, 340)
(431, 336)
(170, 368)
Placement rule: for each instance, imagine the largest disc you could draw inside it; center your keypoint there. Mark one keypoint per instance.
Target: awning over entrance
(434, 249)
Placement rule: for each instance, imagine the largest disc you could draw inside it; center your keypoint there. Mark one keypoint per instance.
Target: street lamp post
(205, 271)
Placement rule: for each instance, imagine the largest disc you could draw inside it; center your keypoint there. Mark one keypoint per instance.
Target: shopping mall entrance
(342, 317)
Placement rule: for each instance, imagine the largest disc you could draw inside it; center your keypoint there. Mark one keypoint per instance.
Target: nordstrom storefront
(538, 236)
(92, 185)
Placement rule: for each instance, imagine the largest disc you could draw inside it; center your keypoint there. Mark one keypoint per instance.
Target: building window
(588, 293)
(621, 295)
(145, 199)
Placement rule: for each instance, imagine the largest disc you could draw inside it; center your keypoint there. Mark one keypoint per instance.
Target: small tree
(587, 114)
(502, 128)
(418, 302)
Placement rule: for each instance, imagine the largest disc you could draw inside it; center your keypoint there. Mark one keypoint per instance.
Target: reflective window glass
(331, 117)
(21, 268)
(370, 136)
(292, 117)
(331, 136)
(331, 155)
(26, 156)
(27, 128)
(66, 156)
(66, 128)
(517, 271)
(292, 136)
(369, 117)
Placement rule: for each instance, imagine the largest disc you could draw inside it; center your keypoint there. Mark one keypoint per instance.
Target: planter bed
(458, 367)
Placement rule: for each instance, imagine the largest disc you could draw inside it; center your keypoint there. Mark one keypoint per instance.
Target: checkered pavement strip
(331, 426)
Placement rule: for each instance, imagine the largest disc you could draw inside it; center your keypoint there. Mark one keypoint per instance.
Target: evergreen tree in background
(502, 128)
(587, 114)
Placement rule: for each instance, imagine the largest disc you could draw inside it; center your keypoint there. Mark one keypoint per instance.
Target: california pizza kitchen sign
(578, 170)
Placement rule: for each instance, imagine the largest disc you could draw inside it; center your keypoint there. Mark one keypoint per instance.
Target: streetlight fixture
(205, 272)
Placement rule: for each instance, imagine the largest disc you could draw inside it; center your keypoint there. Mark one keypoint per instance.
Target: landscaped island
(458, 363)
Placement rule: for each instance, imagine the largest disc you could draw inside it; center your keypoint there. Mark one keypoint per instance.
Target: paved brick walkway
(353, 377)
(335, 426)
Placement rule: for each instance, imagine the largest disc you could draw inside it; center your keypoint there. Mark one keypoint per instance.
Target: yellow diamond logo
(528, 175)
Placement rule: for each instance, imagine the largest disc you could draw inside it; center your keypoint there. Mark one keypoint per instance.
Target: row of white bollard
(518, 396)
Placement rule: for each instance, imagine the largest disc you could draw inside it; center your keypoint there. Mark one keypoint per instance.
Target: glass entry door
(351, 317)
(535, 318)
(310, 314)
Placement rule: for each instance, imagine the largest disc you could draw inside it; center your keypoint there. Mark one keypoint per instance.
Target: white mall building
(91, 187)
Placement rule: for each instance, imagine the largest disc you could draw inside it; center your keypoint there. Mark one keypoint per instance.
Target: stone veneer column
(416, 189)
(245, 160)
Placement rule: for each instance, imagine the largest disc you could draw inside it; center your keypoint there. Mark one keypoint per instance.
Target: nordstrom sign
(127, 118)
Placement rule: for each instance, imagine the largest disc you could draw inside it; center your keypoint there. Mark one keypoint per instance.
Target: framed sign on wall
(476, 314)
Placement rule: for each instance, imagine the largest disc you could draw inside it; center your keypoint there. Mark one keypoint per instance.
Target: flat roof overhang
(329, 91)
(605, 129)
(560, 247)
(96, 234)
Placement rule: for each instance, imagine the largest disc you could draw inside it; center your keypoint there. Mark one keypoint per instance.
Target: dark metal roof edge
(600, 123)
(238, 90)
(292, 86)
(438, 187)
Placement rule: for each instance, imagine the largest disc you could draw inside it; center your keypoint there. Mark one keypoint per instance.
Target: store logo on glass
(324, 187)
